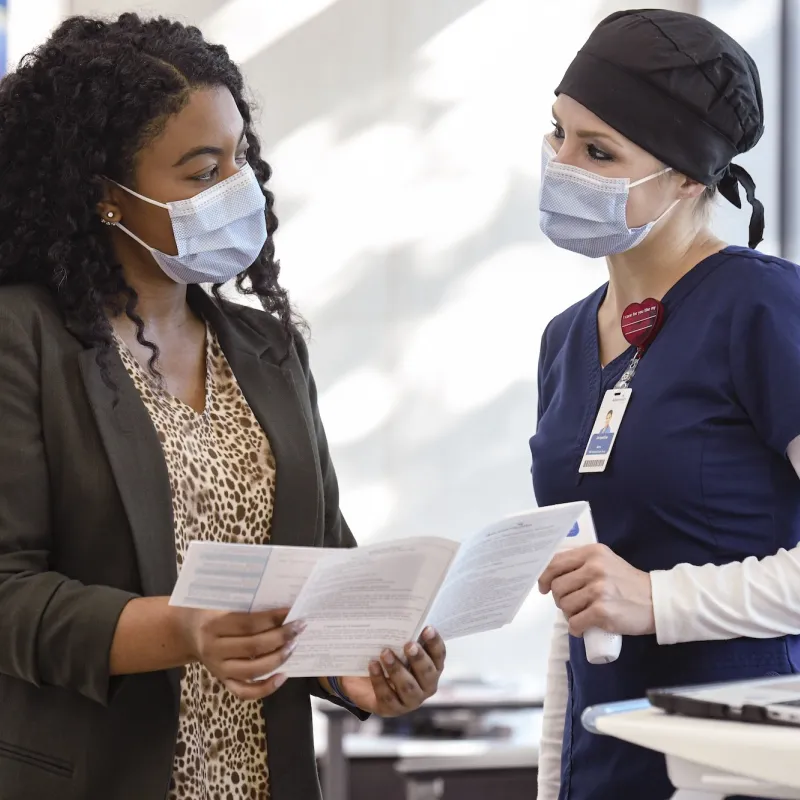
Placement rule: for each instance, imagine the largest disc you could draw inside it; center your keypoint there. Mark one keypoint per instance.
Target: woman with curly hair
(139, 413)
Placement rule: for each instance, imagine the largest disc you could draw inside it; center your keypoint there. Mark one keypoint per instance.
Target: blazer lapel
(140, 471)
(277, 403)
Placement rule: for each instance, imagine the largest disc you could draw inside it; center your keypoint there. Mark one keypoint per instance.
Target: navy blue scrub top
(698, 475)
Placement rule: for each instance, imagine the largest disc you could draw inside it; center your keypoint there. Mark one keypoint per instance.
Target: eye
(241, 158)
(207, 176)
(596, 154)
(558, 131)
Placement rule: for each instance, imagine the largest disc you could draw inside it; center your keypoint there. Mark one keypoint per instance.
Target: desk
(503, 769)
(708, 759)
(480, 701)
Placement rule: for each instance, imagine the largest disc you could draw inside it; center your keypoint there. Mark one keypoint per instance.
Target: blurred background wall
(405, 138)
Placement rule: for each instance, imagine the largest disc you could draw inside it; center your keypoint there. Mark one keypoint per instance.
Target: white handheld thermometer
(601, 646)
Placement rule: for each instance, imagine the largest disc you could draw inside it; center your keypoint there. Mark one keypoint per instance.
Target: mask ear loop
(140, 196)
(146, 200)
(650, 177)
(671, 206)
(136, 238)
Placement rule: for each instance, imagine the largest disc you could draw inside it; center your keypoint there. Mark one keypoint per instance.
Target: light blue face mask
(219, 232)
(586, 213)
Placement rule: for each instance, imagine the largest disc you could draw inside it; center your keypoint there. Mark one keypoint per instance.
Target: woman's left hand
(595, 588)
(394, 689)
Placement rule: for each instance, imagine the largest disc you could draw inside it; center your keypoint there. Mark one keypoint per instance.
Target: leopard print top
(222, 478)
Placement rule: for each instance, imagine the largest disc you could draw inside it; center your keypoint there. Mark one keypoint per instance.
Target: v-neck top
(222, 478)
(698, 475)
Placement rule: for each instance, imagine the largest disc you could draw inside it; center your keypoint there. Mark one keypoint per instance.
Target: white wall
(29, 22)
(755, 24)
(405, 137)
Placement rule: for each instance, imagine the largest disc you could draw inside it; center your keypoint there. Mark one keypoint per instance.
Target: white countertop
(768, 753)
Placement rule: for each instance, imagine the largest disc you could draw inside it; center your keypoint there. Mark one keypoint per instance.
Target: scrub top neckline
(671, 300)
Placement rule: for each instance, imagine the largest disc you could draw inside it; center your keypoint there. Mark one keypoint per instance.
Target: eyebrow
(590, 134)
(204, 150)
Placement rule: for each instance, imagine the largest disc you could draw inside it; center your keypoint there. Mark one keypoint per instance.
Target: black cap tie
(729, 189)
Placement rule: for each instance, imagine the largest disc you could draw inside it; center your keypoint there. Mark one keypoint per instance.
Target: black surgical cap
(681, 89)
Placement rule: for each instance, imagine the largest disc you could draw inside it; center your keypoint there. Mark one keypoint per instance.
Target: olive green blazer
(86, 525)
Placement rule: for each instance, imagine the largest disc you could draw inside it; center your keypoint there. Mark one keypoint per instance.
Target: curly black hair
(79, 107)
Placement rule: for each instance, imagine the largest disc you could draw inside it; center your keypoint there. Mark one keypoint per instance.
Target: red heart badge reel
(641, 322)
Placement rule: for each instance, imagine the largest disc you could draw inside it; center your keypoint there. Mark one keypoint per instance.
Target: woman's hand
(595, 588)
(239, 648)
(393, 689)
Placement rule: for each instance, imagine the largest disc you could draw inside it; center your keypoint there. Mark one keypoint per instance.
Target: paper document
(244, 577)
(495, 571)
(358, 602)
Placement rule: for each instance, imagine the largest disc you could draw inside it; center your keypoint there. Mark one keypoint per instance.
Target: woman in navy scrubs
(698, 507)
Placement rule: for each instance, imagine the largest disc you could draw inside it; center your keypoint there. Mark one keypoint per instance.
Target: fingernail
(298, 627)
(413, 650)
(280, 680)
(374, 668)
(388, 658)
(289, 649)
(428, 634)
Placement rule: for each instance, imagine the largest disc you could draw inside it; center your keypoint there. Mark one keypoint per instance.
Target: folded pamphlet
(358, 602)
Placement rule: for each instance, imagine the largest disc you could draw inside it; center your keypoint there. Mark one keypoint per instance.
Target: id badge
(605, 430)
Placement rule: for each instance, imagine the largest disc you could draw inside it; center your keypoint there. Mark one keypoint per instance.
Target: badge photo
(604, 430)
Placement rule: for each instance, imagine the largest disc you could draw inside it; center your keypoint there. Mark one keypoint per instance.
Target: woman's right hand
(238, 648)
